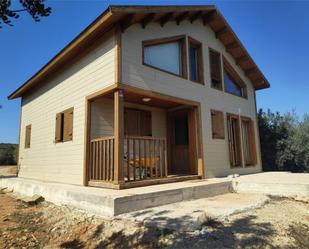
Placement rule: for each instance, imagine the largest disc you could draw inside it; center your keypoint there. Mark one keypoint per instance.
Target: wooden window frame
(28, 136)
(139, 126)
(252, 141)
(214, 135)
(236, 78)
(239, 138)
(165, 40)
(62, 138)
(200, 65)
(211, 50)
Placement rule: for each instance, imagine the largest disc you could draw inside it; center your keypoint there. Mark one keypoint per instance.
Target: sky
(275, 33)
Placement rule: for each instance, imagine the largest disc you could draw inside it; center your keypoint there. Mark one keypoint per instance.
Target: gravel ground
(282, 223)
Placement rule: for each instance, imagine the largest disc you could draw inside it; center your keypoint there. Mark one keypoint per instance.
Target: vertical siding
(135, 74)
(63, 162)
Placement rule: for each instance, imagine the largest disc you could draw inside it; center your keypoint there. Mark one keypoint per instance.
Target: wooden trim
(182, 40)
(119, 135)
(200, 157)
(192, 132)
(259, 156)
(87, 130)
(118, 55)
(252, 141)
(103, 184)
(200, 65)
(148, 93)
(236, 78)
(102, 92)
(211, 50)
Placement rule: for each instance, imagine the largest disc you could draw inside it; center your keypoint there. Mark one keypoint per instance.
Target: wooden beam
(147, 19)
(182, 17)
(118, 60)
(126, 22)
(232, 45)
(119, 135)
(164, 19)
(207, 18)
(250, 71)
(196, 16)
(241, 59)
(222, 31)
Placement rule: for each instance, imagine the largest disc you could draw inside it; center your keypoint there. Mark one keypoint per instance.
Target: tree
(36, 8)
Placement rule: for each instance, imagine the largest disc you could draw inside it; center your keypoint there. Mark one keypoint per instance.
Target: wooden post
(118, 133)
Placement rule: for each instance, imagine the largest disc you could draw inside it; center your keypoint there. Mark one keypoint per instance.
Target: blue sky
(276, 34)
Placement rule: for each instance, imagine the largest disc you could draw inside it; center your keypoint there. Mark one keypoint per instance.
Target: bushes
(8, 154)
(284, 141)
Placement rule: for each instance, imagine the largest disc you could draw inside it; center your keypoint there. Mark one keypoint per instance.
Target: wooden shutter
(58, 130)
(68, 125)
(145, 123)
(217, 124)
(27, 136)
(215, 69)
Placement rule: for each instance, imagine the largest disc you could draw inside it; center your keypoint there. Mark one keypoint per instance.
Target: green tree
(36, 8)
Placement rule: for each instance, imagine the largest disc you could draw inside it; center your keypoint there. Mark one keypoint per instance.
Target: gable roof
(125, 16)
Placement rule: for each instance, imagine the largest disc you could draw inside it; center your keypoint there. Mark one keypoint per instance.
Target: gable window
(137, 122)
(196, 61)
(248, 141)
(64, 126)
(27, 136)
(217, 124)
(215, 69)
(232, 82)
(233, 129)
(166, 54)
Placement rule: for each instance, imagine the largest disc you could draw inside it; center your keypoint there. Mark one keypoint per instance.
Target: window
(27, 136)
(166, 54)
(233, 129)
(217, 124)
(248, 141)
(137, 122)
(196, 61)
(64, 126)
(215, 69)
(232, 82)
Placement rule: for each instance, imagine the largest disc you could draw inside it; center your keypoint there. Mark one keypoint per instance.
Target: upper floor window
(232, 82)
(27, 136)
(166, 54)
(196, 61)
(215, 69)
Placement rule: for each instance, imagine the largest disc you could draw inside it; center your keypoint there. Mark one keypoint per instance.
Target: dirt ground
(281, 223)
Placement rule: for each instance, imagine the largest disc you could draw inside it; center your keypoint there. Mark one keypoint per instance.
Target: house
(144, 95)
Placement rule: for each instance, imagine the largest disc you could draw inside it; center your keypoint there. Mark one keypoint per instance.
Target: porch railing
(102, 159)
(144, 158)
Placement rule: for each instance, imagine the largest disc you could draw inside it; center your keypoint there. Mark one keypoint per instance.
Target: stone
(33, 200)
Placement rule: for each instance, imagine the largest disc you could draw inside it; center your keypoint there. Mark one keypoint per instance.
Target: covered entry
(137, 137)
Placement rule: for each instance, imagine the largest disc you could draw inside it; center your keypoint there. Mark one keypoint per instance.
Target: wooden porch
(121, 160)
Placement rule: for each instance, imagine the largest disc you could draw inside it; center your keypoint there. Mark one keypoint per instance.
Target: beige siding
(134, 73)
(63, 162)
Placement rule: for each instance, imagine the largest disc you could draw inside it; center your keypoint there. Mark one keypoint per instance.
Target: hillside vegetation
(8, 154)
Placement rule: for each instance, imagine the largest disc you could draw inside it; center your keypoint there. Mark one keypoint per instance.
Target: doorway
(182, 142)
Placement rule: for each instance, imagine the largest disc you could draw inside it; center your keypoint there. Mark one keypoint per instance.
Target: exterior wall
(216, 153)
(63, 162)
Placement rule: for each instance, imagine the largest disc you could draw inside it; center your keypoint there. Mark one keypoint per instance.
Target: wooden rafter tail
(167, 17)
(231, 46)
(241, 59)
(250, 72)
(147, 19)
(127, 22)
(196, 16)
(209, 17)
(182, 17)
(221, 31)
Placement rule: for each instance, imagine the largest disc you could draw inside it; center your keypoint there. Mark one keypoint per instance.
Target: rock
(33, 200)
(24, 238)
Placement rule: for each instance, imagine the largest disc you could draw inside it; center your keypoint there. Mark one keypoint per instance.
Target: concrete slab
(191, 215)
(109, 202)
(273, 183)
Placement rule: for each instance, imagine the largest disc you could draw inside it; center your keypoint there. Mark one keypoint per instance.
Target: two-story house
(144, 95)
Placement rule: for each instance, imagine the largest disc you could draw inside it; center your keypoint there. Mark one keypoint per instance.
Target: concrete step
(110, 202)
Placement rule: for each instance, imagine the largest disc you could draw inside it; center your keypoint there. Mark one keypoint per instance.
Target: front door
(180, 163)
